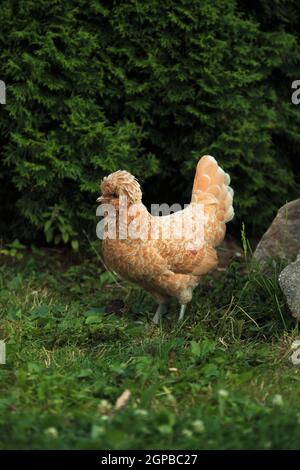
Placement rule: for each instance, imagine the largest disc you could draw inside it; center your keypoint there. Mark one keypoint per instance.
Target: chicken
(158, 253)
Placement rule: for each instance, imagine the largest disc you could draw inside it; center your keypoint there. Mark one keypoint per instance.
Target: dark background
(149, 87)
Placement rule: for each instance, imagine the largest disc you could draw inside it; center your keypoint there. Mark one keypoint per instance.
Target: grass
(76, 341)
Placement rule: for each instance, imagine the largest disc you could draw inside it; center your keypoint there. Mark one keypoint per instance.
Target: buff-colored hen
(166, 255)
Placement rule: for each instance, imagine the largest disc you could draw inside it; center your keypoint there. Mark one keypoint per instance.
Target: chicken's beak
(100, 199)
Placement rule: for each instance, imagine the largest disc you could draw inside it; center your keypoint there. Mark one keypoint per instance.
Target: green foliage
(221, 380)
(147, 87)
(13, 249)
(57, 227)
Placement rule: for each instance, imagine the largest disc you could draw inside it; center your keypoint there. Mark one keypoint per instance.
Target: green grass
(221, 380)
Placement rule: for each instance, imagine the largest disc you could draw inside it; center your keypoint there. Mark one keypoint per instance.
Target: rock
(289, 280)
(282, 239)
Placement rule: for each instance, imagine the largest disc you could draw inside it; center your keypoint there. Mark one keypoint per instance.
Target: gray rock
(289, 280)
(282, 239)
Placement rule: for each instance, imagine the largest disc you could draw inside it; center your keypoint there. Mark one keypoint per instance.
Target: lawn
(76, 340)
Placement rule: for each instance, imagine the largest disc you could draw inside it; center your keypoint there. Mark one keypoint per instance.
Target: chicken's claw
(161, 309)
(182, 312)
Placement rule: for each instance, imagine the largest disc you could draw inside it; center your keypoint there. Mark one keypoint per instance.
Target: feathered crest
(122, 183)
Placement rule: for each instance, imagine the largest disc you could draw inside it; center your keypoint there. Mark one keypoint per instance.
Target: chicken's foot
(162, 308)
(182, 312)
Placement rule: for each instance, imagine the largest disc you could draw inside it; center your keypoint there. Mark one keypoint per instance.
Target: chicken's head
(117, 184)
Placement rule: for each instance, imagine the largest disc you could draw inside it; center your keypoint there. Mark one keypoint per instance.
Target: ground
(76, 340)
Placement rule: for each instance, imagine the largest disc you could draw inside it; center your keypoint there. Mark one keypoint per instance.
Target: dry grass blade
(123, 400)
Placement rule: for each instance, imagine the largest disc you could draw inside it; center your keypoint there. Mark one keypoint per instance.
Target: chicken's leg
(182, 312)
(162, 308)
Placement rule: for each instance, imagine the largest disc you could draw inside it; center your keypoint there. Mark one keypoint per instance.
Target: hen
(154, 251)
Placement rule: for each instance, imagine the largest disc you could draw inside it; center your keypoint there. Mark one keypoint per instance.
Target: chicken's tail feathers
(211, 186)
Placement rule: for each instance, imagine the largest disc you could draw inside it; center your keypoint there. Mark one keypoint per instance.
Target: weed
(223, 379)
